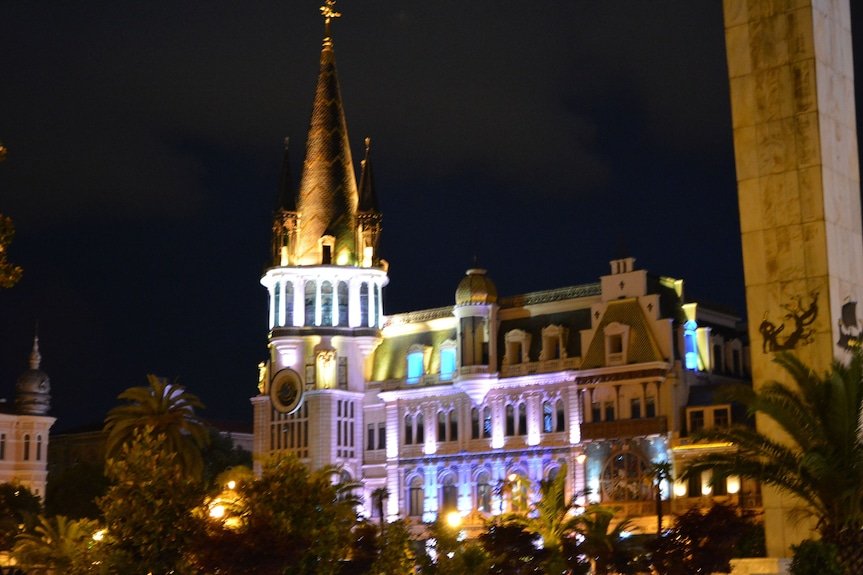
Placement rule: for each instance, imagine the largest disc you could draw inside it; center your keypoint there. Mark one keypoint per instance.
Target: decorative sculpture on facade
(801, 319)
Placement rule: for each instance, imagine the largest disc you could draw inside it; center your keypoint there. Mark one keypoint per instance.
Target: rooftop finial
(368, 145)
(328, 11)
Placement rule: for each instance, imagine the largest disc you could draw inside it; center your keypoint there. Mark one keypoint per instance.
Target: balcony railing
(624, 428)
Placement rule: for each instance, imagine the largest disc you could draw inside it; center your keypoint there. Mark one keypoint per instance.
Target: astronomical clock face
(286, 391)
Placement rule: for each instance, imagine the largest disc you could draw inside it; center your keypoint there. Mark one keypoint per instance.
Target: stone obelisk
(795, 145)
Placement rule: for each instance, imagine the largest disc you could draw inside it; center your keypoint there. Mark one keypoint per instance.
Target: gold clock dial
(286, 391)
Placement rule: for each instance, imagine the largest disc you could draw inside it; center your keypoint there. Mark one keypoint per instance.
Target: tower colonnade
(325, 296)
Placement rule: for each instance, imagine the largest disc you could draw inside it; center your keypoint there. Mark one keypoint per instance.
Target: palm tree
(821, 463)
(599, 543)
(161, 408)
(58, 543)
(378, 496)
(661, 472)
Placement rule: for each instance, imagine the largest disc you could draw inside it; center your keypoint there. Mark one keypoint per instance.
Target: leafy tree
(60, 544)
(295, 522)
(18, 507)
(73, 491)
(395, 556)
(822, 461)
(165, 409)
(148, 508)
(220, 455)
(701, 544)
(9, 273)
(513, 550)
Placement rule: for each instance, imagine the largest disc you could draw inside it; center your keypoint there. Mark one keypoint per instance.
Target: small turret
(368, 216)
(286, 219)
(33, 389)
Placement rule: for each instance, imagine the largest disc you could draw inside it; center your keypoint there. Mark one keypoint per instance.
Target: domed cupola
(476, 288)
(33, 389)
(476, 313)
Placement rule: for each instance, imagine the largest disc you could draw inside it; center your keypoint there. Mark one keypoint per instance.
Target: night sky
(145, 141)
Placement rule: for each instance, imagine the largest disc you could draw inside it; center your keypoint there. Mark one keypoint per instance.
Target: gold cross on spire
(328, 11)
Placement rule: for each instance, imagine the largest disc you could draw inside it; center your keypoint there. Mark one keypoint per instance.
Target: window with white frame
(517, 347)
(616, 343)
(553, 343)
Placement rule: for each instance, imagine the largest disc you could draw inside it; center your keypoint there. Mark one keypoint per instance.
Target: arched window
(516, 492)
(415, 497)
(560, 420)
(27, 447)
(2, 446)
(547, 417)
(441, 426)
(483, 493)
(289, 304)
(522, 419)
(453, 426)
(626, 477)
(486, 422)
(364, 304)
(409, 429)
(510, 420)
(277, 305)
(310, 302)
(449, 494)
(474, 423)
(343, 303)
(421, 430)
(39, 447)
(326, 303)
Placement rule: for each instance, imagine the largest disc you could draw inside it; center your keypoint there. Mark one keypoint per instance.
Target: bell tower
(325, 292)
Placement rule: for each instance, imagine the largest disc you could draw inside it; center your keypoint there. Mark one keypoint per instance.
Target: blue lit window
(447, 362)
(690, 345)
(415, 366)
(343, 303)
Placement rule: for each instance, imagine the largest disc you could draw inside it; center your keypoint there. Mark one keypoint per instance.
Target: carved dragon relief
(799, 317)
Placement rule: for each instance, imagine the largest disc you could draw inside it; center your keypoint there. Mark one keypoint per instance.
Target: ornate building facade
(24, 427)
(468, 407)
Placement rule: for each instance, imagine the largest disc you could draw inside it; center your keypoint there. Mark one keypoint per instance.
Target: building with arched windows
(468, 407)
(24, 427)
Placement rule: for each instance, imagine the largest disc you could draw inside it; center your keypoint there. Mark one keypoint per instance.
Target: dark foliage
(73, 491)
(18, 506)
(701, 544)
(512, 549)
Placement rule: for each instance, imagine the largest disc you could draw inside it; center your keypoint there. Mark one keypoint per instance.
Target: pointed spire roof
(328, 187)
(35, 356)
(287, 197)
(368, 199)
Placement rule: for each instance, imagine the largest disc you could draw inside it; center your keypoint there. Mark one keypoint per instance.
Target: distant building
(24, 428)
(468, 407)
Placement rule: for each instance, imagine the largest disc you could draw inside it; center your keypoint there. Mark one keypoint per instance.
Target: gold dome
(476, 288)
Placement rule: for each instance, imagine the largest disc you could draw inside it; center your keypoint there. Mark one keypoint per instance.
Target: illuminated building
(468, 407)
(24, 428)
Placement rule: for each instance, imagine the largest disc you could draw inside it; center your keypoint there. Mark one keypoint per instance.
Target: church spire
(328, 188)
